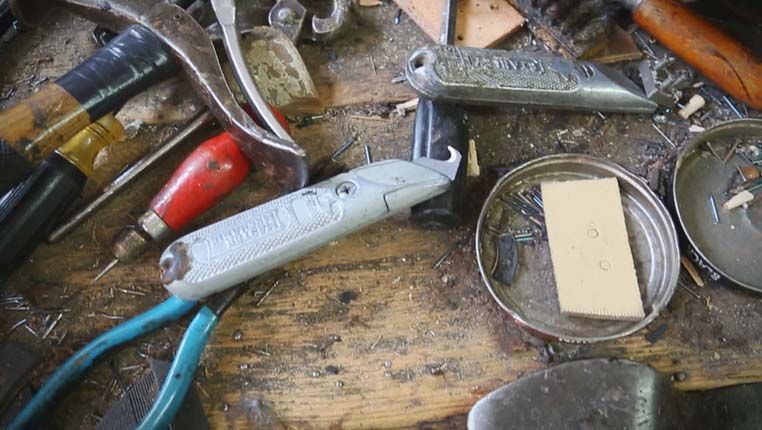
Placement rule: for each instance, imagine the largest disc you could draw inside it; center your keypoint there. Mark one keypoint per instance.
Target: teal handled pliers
(180, 374)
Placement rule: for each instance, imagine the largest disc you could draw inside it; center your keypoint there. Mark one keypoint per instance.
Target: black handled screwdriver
(437, 126)
(30, 210)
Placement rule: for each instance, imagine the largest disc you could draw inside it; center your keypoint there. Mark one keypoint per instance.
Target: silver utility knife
(495, 77)
(243, 246)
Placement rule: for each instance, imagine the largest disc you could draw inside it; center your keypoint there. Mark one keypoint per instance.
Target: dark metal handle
(438, 126)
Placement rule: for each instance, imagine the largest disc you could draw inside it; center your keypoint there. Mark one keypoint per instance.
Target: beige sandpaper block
(479, 24)
(592, 260)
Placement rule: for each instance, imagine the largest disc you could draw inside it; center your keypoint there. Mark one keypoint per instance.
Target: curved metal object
(324, 29)
(225, 11)
(531, 299)
(289, 15)
(728, 251)
(190, 44)
(613, 394)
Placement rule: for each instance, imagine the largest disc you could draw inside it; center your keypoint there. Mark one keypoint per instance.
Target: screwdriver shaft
(128, 175)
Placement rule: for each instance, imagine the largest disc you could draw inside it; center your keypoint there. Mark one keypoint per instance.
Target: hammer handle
(708, 49)
(35, 127)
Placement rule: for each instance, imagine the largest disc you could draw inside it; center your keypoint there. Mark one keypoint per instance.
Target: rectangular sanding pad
(592, 261)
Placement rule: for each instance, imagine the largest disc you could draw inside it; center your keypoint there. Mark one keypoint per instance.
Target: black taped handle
(438, 126)
(31, 210)
(13, 167)
(131, 62)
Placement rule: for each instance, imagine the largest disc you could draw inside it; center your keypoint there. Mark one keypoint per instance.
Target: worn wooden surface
(364, 333)
(479, 24)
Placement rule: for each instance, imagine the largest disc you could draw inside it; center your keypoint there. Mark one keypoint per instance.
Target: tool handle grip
(29, 211)
(438, 126)
(130, 63)
(704, 46)
(13, 167)
(238, 248)
(211, 172)
(206, 176)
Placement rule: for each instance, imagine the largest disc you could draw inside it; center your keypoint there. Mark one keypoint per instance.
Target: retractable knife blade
(268, 236)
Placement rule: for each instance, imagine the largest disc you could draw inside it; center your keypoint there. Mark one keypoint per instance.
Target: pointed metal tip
(103, 272)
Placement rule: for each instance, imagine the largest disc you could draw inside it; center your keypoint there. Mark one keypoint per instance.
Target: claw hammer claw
(193, 49)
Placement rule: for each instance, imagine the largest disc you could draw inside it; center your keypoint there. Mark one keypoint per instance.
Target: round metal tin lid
(730, 248)
(531, 297)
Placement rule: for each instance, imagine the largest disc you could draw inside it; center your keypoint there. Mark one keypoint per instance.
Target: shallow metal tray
(531, 298)
(731, 251)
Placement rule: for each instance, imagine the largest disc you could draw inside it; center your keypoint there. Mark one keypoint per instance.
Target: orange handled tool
(719, 57)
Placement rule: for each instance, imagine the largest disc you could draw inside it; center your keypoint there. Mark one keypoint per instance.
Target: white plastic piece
(739, 199)
(694, 104)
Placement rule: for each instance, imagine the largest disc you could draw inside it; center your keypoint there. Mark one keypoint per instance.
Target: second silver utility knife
(243, 246)
(496, 77)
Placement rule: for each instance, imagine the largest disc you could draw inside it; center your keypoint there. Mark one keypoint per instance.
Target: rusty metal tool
(269, 50)
(700, 43)
(580, 27)
(476, 76)
(193, 49)
(125, 65)
(255, 241)
(225, 10)
(289, 16)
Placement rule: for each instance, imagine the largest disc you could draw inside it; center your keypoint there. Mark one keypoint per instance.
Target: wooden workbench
(365, 333)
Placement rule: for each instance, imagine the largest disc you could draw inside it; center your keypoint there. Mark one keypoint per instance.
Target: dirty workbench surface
(365, 333)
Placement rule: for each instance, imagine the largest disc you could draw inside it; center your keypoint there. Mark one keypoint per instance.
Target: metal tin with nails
(531, 298)
(728, 252)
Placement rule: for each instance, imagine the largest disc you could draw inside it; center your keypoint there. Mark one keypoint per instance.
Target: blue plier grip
(77, 365)
(182, 371)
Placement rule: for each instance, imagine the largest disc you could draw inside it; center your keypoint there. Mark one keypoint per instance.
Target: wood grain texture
(446, 341)
(708, 49)
(479, 24)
